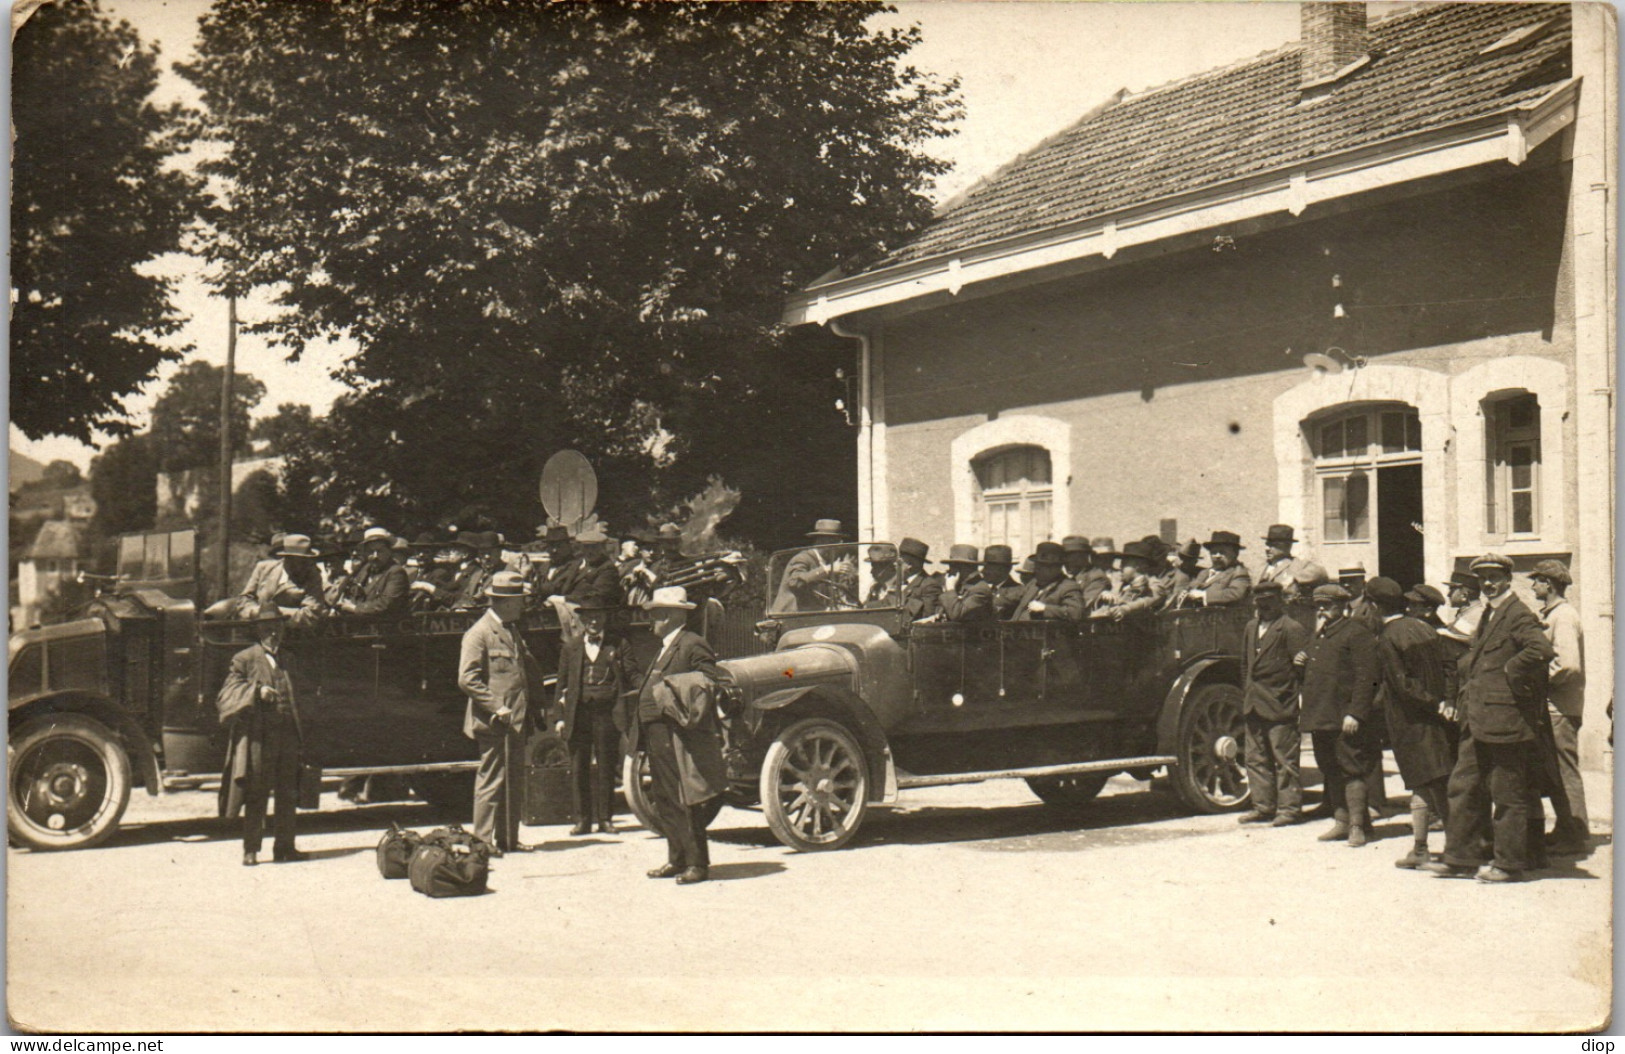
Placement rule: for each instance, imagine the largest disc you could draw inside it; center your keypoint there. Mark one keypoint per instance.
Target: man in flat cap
(997, 562)
(1270, 685)
(1412, 696)
(919, 592)
(1051, 594)
(1550, 581)
(965, 597)
(1340, 711)
(1503, 695)
(1227, 581)
(503, 681)
(1422, 602)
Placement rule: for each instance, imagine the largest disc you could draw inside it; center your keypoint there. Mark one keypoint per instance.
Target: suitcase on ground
(450, 862)
(395, 851)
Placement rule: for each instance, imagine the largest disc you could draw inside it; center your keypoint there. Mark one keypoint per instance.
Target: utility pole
(226, 445)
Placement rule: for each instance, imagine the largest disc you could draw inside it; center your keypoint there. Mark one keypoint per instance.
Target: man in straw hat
(257, 703)
(380, 589)
(965, 597)
(288, 579)
(1051, 594)
(821, 578)
(685, 749)
(1227, 580)
(1565, 703)
(1503, 696)
(595, 674)
(502, 680)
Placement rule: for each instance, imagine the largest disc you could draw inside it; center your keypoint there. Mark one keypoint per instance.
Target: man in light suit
(501, 679)
(1503, 694)
(263, 756)
(1269, 703)
(685, 760)
(823, 577)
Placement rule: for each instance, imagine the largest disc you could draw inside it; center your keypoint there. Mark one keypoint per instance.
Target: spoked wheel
(1211, 776)
(637, 785)
(69, 784)
(1069, 792)
(815, 785)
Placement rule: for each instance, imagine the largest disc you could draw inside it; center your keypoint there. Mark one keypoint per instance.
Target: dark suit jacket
(1340, 678)
(382, 594)
(1411, 658)
(254, 724)
(1230, 586)
(1270, 684)
(496, 670)
(1063, 599)
(919, 595)
(572, 659)
(595, 585)
(971, 602)
(1503, 676)
(698, 749)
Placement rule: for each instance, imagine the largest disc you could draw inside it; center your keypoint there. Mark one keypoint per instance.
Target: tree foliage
(563, 225)
(283, 431)
(91, 200)
(124, 483)
(186, 418)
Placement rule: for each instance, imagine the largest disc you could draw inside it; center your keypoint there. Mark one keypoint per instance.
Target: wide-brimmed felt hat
(1280, 534)
(882, 553)
(913, 547)
(1331, 591)
(480, 539)
(1103, 547)
(669, 597)
(961, 554)
(1552, 571)
(1190, 550)
(1002, 555)
(826, 529)
(1383, 590)
(1075, 543)
(377, 536)
(508, 584)
(1028, 567)
(1049, 553)
(1426, 594)
(297, 545)
(427, 540)
(1139, 551)
(1230, 538)
(1489, 560)
(1155, 545)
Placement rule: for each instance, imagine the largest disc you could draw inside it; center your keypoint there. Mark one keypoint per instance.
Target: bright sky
(1027, 69)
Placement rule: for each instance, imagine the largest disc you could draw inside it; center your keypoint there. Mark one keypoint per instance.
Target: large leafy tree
(552, 225)
(186, 417)
(91, 201)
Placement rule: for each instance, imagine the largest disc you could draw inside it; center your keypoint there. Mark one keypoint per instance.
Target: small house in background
(49, 570)
(1358, 285)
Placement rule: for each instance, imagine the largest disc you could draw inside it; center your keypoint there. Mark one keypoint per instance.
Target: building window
(1349, 449)
(1512, 486)
(1017, 496)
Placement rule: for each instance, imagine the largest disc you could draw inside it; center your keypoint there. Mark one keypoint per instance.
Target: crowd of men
(1481, 709)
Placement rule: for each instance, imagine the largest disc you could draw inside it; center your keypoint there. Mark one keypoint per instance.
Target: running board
(189, 781)
(906, 782)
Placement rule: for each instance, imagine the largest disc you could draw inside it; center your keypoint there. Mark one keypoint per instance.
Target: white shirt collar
(668, 639)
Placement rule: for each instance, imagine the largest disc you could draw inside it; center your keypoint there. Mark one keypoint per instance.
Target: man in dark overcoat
(1227, 581)
(257, 704)
(502, 680)
(1269, 702)
(685, 753)
(919, 592)
(1340, 711)
(1503, 694)
(997, 560)
(1412, 694)
(1051, 595)
(595, 673)
(381, 588)
(965, 596)
(883, 576)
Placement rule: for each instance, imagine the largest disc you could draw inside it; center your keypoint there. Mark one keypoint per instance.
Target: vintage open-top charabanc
(854, 705)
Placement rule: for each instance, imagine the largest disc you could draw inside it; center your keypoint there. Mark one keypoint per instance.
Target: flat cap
(1268, 588)
(1552, 571)
(1426, 594)
(1385, 591)
(1332, 591)
(1489, 560)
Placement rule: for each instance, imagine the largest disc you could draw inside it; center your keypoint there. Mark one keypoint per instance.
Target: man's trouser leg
(1332, 781)
(1285, 744)
(490, 819)
(284, 741)
(607, 748)
(256, 791)
(1507, 770)
(676, 823)
(1468, 807)
(1261, 775)
(581, 798)
(1566, 735)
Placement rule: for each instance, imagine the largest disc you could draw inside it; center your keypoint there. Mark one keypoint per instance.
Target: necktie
(1484, 621)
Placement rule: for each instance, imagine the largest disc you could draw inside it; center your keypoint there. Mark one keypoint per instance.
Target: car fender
(136, 742)
(1200, 671)
(850, 709)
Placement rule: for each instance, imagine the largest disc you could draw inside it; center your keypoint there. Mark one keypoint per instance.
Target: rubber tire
(114, 768)
(1069, 792)
(784, 746)
(1211, 705)
(635, 788)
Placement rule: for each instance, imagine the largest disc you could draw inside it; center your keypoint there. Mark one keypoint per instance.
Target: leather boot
(1338, 831)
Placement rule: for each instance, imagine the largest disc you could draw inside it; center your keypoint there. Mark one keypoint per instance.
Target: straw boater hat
(297, 545)
(508, 584)
(669, 597)
(378, 536)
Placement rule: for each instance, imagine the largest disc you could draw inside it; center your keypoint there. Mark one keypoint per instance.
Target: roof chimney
(1333, 39)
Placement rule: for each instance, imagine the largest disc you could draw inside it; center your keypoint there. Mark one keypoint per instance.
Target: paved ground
(972, 907)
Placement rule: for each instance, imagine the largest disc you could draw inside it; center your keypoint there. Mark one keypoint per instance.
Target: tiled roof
(1426, 71)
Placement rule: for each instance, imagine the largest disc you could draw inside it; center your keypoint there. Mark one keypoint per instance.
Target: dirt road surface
(967, 908)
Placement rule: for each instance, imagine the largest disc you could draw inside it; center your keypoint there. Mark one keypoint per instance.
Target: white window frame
(1345, 465)
(1020, 496)
(1500, 439)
